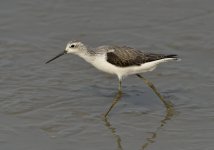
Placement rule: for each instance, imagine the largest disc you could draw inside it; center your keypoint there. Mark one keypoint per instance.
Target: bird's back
(124, 56)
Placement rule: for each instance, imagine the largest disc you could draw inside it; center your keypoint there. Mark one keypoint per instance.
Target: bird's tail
(175, 57)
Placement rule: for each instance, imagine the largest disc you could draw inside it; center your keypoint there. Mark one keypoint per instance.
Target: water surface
(59, 105)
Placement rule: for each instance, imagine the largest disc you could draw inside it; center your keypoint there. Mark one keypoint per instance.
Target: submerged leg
(167, 105)
(115, 100)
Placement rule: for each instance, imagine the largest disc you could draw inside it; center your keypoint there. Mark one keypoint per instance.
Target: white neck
(87, 57)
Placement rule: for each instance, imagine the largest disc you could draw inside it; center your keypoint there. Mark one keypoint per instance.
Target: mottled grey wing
(126, 56)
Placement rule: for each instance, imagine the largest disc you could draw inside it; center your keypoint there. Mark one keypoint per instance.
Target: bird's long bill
(63, 53)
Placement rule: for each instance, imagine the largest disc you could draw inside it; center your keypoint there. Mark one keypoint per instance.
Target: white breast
(101, 64)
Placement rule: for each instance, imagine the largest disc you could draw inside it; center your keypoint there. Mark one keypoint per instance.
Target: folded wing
(126, 56)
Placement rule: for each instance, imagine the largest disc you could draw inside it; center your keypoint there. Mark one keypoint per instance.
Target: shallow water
(59, 105)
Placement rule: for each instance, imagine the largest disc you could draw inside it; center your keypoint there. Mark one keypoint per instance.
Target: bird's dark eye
(72, 46)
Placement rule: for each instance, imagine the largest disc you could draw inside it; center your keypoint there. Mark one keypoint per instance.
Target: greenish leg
(167, 105)
(116, 98)
(170, 111)
(120, 86)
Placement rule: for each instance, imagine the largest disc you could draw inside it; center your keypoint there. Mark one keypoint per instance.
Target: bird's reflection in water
(151, 139)
(168, 114)
(108, 124)
(113, 131)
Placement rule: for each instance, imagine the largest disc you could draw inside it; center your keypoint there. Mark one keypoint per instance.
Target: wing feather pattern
(126, 56)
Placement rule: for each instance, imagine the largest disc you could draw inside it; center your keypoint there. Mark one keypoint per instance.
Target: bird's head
(71, 48)
(75, 47)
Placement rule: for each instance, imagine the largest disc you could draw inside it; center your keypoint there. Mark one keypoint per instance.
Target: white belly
(101, 64)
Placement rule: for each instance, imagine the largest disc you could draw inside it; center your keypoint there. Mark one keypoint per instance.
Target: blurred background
(59, 105)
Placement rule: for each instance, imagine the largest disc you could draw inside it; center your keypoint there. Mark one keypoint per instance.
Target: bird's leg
(167, 105)
(168, 115)
(119, 86)
(114, 102)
